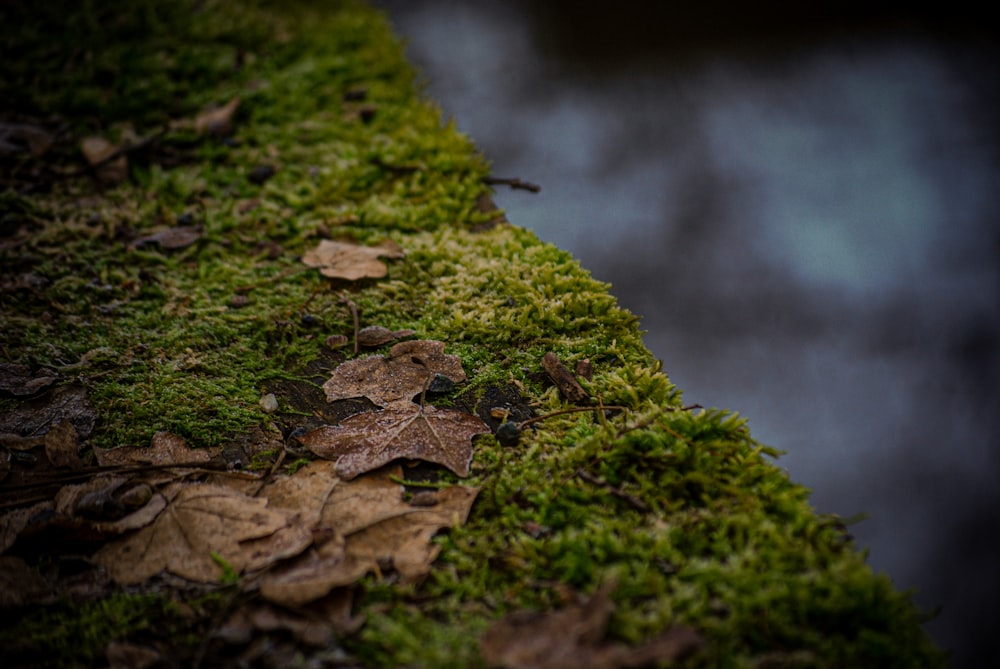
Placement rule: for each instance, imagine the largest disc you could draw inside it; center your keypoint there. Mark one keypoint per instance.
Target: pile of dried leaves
(296, 541)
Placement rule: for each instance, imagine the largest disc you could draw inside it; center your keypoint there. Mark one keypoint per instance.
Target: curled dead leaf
(574, 637)
(376, 335)
(217, 121)
(100, 154)
(369, 440)
(20, 381)
(368, 527)
(342, 260)
(400, 376)
(202, 521)
(164, 448)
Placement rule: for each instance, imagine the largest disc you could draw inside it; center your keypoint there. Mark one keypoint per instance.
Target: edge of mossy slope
(722, 540)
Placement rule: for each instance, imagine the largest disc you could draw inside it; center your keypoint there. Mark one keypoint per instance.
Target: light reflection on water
(810, 241)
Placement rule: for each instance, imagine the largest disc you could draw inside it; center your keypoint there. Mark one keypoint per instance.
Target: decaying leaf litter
(295, 537)
(211, 311)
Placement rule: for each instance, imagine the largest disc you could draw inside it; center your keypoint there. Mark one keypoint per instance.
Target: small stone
(269, 403)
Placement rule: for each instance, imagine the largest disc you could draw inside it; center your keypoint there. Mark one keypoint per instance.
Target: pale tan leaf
(199, 521)
(369, 440)
(217, 120)
(370, 527)
(342, 260)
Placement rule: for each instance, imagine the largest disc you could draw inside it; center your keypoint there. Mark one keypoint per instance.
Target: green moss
(71, 635)
(684, 509)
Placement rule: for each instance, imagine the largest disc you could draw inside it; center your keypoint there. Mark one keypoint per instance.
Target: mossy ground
(694, 520)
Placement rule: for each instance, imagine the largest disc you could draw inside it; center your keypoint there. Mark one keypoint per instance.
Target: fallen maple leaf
(574, 637)
(368, 527)
(399, 376)
(369, 440)
(202, 521)
(342, 260)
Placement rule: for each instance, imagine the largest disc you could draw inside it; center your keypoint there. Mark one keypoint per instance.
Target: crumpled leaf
(369, 440)
(14, 522)
(172, 239)
(376, 335)
(217, 121)
(164, 448)
(400, 376)
(62, 446)
(574, 637)
(199, 521)
(342, 260)
(110, 504)
(20, 381)
(37, 415)
(98, 152)
(366, 526)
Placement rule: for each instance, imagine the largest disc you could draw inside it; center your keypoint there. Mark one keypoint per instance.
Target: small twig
(513, 182)
(354, 315)
(602, 409)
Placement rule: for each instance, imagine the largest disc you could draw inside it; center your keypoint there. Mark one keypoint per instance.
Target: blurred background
(801, 202)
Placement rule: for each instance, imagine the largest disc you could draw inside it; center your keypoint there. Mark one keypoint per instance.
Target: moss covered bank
(174, 295)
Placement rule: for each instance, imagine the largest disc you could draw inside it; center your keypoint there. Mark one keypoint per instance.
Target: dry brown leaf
(14, 522)
(574, 637)
(20, 381)
(62, 446)
(371, 527)
(217, 121)
(110, 504)
(171, 239)
(342, 260)
(369, 440)
(164, 448)
(98, 152)
(399, 376)
(63, 403)
(201, 520)
(376, 335)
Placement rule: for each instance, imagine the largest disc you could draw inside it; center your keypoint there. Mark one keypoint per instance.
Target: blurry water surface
(806, 220)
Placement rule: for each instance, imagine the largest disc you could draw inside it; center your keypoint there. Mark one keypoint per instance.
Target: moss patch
(684, 509)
